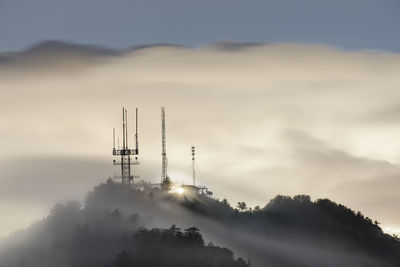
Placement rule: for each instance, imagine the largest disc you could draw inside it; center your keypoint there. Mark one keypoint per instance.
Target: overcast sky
(291, 117)
(350, 24)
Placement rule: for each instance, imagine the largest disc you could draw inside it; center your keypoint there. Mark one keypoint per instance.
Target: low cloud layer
(266, 120)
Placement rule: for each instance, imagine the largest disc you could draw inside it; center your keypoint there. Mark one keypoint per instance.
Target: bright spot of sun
(180, 190)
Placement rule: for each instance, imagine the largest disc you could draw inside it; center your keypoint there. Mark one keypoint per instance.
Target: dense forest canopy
(172, 247)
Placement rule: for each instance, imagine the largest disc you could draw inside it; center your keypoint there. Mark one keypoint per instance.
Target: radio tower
(193, 167)
(125, 152)
(164, 162)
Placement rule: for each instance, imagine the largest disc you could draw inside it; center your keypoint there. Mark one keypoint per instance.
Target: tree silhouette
(172, 248)
(241, 206)
(225, 203)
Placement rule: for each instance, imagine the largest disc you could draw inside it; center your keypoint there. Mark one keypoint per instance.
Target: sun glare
(180, 190)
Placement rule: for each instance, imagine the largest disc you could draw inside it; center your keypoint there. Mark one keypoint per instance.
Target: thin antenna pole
(126, 128)
(123, 128)
(136, 134)
(128, 158)
(163, 146)
(113, 138)
(123, 147)
(193, 166)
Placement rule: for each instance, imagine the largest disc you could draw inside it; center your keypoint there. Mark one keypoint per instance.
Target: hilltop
(122, 226)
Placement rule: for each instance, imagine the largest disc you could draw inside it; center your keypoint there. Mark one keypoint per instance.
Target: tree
(194, 237)
(225, 203)
(241, 206)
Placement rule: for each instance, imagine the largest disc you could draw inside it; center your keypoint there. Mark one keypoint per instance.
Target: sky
(311, 107)
(349, 24)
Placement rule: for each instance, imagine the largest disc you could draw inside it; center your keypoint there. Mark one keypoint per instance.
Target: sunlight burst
(180, 190)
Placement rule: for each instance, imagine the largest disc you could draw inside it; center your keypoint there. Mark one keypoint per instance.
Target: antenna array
(125, 152)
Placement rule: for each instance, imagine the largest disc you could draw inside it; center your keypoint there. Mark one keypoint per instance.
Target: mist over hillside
(109, 229)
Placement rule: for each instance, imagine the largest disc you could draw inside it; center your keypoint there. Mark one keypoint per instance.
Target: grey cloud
(234, 46)
(45, 179)
(315, 152)
(385, 115)
(62, 51)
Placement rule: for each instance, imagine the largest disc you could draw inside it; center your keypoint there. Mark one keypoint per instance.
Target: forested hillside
(119, 226)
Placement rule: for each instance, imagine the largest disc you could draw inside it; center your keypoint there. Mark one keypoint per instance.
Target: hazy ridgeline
(109, 230)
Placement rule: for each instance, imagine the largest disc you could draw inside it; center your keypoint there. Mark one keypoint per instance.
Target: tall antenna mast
(136, 133)
(123, 128)
(126, 129)
(193, 166)
(164, 162)
(125, 152)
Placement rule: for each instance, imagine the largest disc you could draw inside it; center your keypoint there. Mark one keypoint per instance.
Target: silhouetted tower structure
(193, 166)
(164, 162)
(125, 152)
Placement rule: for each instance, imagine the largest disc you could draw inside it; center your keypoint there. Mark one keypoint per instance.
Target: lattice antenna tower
(124, 154)
(164, 162)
